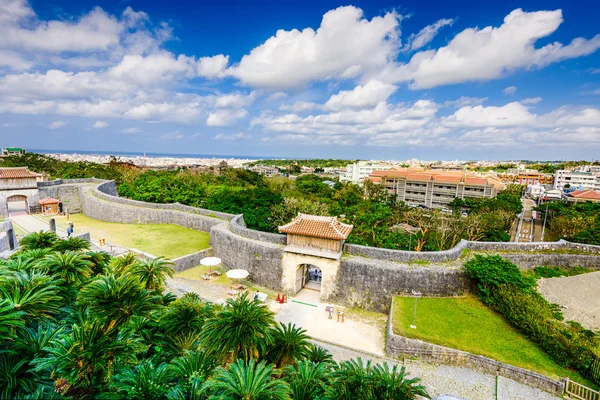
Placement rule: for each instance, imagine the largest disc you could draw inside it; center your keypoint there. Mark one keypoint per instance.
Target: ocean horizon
(151, 154)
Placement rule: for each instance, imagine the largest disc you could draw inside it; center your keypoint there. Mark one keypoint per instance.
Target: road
(29, 224)
(526, 229)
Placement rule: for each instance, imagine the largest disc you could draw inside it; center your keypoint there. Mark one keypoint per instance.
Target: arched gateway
(311, 259)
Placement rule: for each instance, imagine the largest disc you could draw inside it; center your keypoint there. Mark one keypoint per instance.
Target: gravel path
(578, 293)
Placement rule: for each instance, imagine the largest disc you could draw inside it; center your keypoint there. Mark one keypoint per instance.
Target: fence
(579, 392)
(593, 372)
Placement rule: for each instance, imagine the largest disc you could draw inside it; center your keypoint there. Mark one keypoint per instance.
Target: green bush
(555, 272)
(492, 271)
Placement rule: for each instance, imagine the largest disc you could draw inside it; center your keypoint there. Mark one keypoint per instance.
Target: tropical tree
(317, 354)
(246, 381)
(38, 240)
(152, 273)
(72, 244)
(289, 343)
(144, 381)
(240, 330)
(117, 299)
(351, 380)
(193, 369)
(72, 267)
(307, 379)
(83, 359)
(393, 384)
(31, 255)
(10, 319)
(186, 315)
(119, 265)
(99, 260)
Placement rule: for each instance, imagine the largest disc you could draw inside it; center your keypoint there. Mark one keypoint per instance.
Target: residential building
(435, 189)
(357, 172)
(582, 196)
(12, 151)
(577, 180)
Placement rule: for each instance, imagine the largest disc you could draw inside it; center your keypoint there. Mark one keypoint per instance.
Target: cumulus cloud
(235, 100)
(510, 90)
(301, 106)
(57, 124)
(426, 35)
(344, 46)
(225, 117)
(463, 101)
(370, 94)
(100, 124)
(490, 53)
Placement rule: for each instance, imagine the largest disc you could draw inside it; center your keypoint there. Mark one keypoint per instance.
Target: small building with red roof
(583, 196)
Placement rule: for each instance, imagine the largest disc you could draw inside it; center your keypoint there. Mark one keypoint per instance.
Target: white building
(357, 172)
(577, 179)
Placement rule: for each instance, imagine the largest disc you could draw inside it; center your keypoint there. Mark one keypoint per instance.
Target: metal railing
(579, 392)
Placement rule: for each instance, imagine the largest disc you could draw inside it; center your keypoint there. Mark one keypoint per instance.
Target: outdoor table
(213, 273)
(238, 287)
(329, 309)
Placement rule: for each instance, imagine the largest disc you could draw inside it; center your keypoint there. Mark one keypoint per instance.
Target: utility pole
(545, 217)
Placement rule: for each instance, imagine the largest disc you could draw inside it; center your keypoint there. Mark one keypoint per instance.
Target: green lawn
(170, 241)
(465, 323)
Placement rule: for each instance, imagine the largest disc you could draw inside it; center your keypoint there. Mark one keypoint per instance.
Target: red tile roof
(585, 194)
(447, 178)
(317, 226)
(48, 200)
(17, 173)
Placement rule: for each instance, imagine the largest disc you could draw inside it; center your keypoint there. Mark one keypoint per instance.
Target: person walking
(70, 229)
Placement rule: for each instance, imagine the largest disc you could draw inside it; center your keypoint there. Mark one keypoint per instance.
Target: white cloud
(57, 124)
(100, 124)
(372, 93)
(426, 35)
(277, 96)
(301, 106)
(175, 135)
(212, 67)
(492, 52)
(225, 117)
(531, 100)
(233, 136)
(235, 100)
(345, 45)
(510, 90)
(511, 114)
(130, 131)
(596, 71)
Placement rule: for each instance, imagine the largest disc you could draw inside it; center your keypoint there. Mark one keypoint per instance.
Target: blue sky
(381, 80)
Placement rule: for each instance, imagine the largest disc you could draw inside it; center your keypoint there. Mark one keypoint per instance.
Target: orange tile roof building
(583, 196)
(434, 188)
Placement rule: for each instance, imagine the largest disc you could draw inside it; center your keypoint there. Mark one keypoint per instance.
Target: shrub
(492, 271)
(555, 272)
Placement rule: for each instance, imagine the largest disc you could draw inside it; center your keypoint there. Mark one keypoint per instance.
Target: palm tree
(38, 240)
(10, 319)
(34, 294)
(394, 385)
(317, 354)
(144, 381)
(192, 369)
(72, 266)
(307, 379)
(152, 273)
(289, 343)
(71, 244)
(31, 255)
(186, 315)
(99, 260)
(118, 265)
(240, 330)
(246, 381)
(82, 360)
(117, 299)
(351, 380)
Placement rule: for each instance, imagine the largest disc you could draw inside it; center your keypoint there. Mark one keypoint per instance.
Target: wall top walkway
(107, 190)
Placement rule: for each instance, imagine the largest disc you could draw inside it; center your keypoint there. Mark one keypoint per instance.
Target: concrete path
(446, 380)
(30, 224)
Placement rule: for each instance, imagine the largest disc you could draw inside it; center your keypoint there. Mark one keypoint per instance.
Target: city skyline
(519, 80)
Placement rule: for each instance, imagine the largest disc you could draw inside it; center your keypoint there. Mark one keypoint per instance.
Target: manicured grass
(170, 241)
(465, 323)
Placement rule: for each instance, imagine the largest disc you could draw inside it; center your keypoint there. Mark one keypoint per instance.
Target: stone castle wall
(397, 346)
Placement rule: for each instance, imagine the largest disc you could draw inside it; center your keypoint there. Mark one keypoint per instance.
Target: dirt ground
(578, 293)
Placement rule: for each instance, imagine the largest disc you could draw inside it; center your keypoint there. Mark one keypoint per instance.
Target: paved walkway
(30, 224)
(446, 380)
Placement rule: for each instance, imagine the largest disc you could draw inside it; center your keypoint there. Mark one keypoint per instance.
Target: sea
(150, 154)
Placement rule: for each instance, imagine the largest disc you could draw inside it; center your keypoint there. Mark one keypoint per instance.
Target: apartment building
(435, 189)
(577, 180)
(357, 172)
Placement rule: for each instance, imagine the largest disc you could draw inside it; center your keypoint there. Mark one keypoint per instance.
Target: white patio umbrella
(210, 261)
(237, 274)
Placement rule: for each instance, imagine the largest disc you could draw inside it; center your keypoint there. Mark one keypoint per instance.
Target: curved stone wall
(238, 226)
